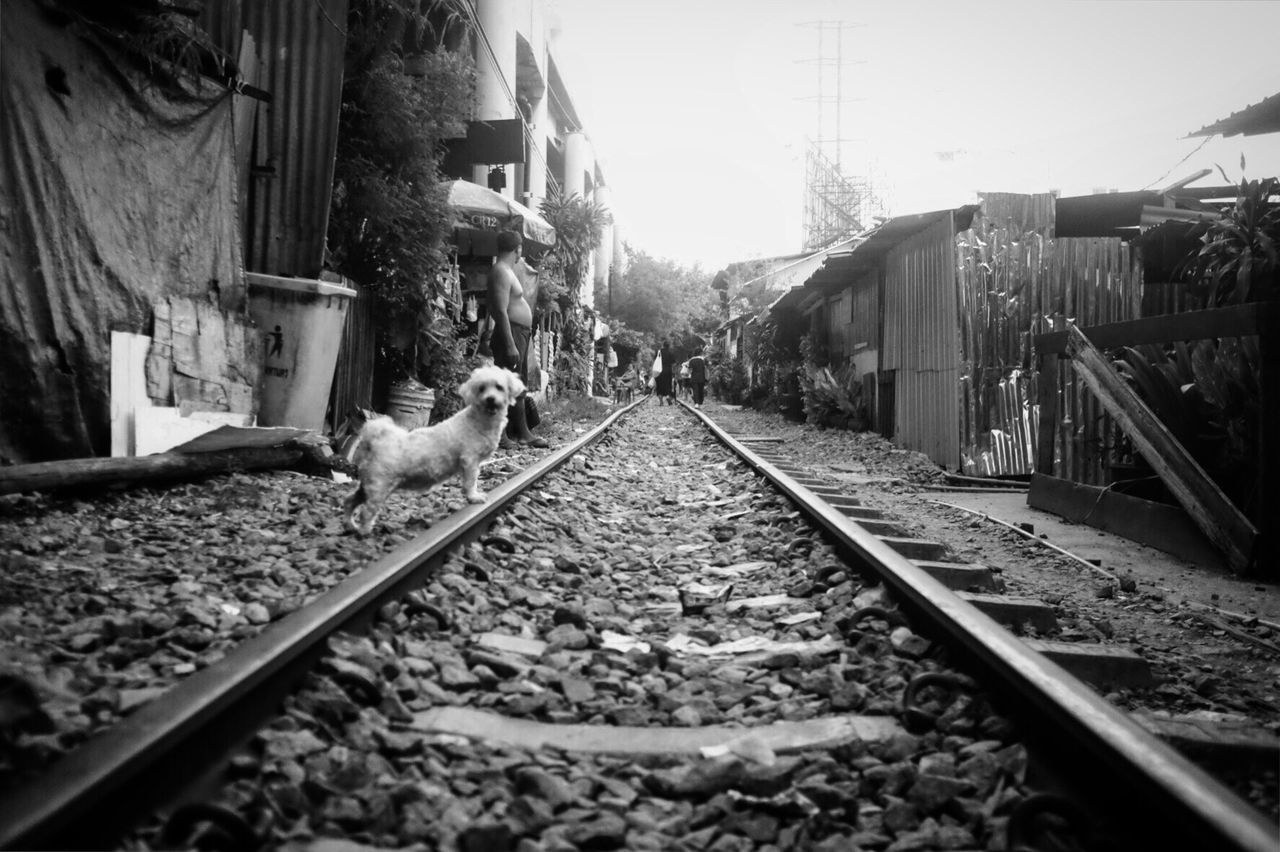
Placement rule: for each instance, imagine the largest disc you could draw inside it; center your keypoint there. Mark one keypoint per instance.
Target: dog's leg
(368, 515)
(470, 473)
(371, 506)
(352, 504)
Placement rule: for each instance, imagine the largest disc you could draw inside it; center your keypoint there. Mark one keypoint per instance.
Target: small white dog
(390, 457)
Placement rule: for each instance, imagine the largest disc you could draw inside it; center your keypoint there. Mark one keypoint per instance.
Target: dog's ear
(467, 390)
(515, 387)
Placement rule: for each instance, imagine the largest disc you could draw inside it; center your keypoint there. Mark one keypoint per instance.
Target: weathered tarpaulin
(116, 190)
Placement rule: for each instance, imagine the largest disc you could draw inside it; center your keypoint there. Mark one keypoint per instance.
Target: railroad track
(960, 729)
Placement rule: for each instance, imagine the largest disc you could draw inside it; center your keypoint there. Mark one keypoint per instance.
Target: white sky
(698, 109)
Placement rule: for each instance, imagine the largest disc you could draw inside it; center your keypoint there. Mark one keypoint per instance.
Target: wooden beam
(1047, 396)
(78, 473)
(1268, 476)
(1191, 178)
(1159, 525)
(1235, 321)
(1219, 519)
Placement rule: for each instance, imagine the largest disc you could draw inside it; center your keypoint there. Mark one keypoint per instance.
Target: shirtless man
(511, 289)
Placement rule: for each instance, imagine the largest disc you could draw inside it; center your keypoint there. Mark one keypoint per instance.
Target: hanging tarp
(118, 190)
(479, 210)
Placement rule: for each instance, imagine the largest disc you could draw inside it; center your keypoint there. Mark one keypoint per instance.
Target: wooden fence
(353, 373)
(1014, 281)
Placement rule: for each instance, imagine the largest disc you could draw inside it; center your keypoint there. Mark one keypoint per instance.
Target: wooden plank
(1235, 321)
(1157, 525)
(128, 387)
(1223, 523)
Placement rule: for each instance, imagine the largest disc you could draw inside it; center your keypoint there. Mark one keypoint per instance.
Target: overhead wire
(1180, 162)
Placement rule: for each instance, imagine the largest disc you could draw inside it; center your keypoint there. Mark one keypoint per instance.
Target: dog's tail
(375, 432)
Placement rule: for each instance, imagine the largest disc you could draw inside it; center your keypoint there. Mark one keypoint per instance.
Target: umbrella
(478, 208)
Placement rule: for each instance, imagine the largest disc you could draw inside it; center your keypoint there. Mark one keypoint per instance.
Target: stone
(931, 792)
(576, 690)
(687, 716)
(606, 831)
(899, 815)
(529, 814)
(537, 782)
(490, 837)
(572, 614)
(760, 828)
(455, 675)
(566, 636)
(908, 644)
(938, 763)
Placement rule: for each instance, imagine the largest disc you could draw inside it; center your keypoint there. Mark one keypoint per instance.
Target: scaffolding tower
(836, 206)
(838, 202)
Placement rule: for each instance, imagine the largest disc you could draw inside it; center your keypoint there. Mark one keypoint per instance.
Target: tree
(662, 298)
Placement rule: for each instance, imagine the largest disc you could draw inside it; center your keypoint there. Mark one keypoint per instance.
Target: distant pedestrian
(665, 382)
(698, 378)
(684, 380)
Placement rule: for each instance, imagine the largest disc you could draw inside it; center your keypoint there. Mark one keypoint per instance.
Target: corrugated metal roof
(1254, 120)
(842, 267)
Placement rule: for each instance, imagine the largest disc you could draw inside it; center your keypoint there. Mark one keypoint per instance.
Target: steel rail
(102, 788)
(1113, 761)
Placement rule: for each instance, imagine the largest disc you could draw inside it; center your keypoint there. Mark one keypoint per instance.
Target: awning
(478, 209)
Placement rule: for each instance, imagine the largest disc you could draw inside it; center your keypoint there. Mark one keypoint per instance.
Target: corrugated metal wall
(865, 319)
(838, 328)
(299, 45)
(921, 342)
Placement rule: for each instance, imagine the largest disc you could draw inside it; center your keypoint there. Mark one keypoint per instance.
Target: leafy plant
(441, 364)
(1205, 393)
(573, 357)
(579, 228)
(390, 218)
(727, 377)
(1239, 260)
(834, 399)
